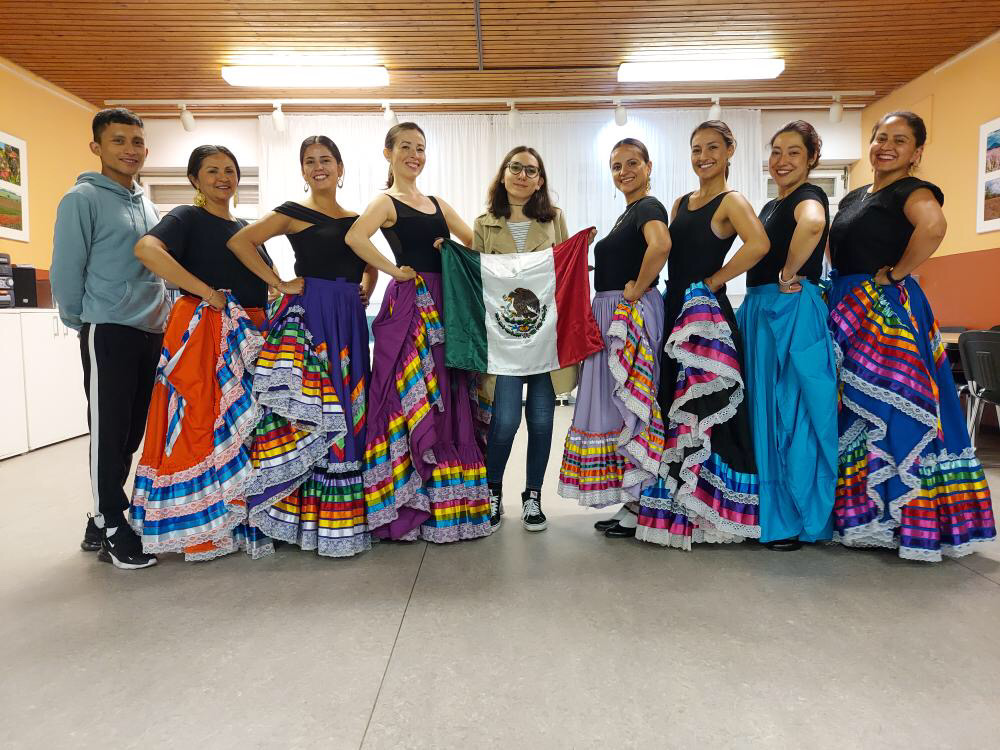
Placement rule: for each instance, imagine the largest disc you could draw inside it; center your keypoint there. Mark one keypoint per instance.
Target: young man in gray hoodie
(120, 309)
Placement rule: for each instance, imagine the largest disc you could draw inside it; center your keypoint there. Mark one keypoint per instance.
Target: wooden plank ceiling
(173, 49)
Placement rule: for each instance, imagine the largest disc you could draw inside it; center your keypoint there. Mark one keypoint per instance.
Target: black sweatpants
(119, 365)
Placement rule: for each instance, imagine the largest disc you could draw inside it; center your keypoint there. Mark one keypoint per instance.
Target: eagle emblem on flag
(521, 314)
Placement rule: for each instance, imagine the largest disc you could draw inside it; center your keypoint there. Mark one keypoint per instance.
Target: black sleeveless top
(412, 237)
(320, 250)
(695, 252)
(778, 218)
(871, 231)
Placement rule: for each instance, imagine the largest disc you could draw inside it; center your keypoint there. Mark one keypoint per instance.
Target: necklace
(771, 212)
(628, 209)
(775, 207)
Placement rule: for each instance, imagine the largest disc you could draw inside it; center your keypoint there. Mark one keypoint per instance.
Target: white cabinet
(14, 420)
(53, 379)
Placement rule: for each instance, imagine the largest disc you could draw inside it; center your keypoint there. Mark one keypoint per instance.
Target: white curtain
(464, 153)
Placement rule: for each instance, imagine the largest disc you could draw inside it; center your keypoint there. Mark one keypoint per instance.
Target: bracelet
(782, 282)
(892, 279)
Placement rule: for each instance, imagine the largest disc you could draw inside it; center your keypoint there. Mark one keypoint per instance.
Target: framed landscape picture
(988, 178)
(13, 188)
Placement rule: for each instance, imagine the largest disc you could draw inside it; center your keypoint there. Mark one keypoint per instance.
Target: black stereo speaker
(25, 287)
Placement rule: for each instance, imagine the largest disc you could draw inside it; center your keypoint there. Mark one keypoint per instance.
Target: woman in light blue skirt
(790, 369)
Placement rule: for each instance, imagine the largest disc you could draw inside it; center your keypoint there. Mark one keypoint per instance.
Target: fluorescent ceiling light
(306, 76)
(701, 70)
(288, 58)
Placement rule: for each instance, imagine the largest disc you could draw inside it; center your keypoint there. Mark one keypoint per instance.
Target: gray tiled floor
(556, 640)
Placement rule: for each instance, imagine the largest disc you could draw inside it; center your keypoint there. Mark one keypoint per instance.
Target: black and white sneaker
(123, 549)
(496, 507)
(532, 517)
(92, 536)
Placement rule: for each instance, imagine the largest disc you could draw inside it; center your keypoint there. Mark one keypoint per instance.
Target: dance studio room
(477, 374)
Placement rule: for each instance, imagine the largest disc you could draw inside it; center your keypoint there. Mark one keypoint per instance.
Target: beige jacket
(492, 235)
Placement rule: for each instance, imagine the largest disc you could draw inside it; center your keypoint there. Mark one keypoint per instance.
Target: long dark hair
(390, 142)
(722, 129)
(323, 141)
(201, 153)
(539, 205)
(811, 139)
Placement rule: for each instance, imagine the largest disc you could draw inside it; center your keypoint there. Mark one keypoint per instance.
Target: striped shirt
(519, 230)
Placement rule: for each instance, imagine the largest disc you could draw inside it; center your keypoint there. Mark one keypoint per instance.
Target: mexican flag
(518, 313)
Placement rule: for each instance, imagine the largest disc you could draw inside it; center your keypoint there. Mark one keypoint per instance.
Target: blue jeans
(541, 404)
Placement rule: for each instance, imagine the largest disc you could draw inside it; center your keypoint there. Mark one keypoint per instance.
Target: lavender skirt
(611, 451)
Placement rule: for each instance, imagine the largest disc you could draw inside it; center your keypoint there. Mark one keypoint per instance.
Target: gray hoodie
(95, 275)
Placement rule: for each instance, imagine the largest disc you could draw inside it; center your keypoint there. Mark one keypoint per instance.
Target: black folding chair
(957, 373)
(980, 352)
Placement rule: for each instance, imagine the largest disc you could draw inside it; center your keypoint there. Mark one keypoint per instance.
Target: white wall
(841, 141)
(170, 145)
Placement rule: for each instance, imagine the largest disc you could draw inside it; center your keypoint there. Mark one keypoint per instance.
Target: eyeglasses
(516, 167)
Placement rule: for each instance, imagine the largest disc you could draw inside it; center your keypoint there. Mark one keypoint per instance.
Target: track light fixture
(836, 109)
(715, 111)
(278, 118)
(187, 119)
(514, 116)
(621, 115)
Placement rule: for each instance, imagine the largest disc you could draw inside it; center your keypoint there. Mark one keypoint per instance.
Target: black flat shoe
(784, 545)
(606, 524)
(620, 532)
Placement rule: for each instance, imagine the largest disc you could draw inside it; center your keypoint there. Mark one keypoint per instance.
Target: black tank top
(695, 252)
(412, 236)
(320, 250)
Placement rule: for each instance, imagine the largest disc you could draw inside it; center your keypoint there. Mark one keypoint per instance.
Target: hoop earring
(199, 199)
(305, 188)
(340, 182)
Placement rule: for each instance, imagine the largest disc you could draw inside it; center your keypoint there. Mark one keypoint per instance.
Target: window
(168, 188)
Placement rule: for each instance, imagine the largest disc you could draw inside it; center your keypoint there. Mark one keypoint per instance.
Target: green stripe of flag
(464, 310)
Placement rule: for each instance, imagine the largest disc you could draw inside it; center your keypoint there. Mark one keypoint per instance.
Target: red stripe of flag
(577, 334)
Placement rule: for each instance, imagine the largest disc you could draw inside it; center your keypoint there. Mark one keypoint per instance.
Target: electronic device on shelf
(6, 281)
(25, 286)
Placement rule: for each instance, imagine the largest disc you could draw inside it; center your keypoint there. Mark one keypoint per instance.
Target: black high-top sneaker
(496, 506)
(532, 517)
(92, 536)
(123, 549)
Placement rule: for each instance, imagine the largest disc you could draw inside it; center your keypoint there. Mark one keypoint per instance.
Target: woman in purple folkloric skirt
(424, 473)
